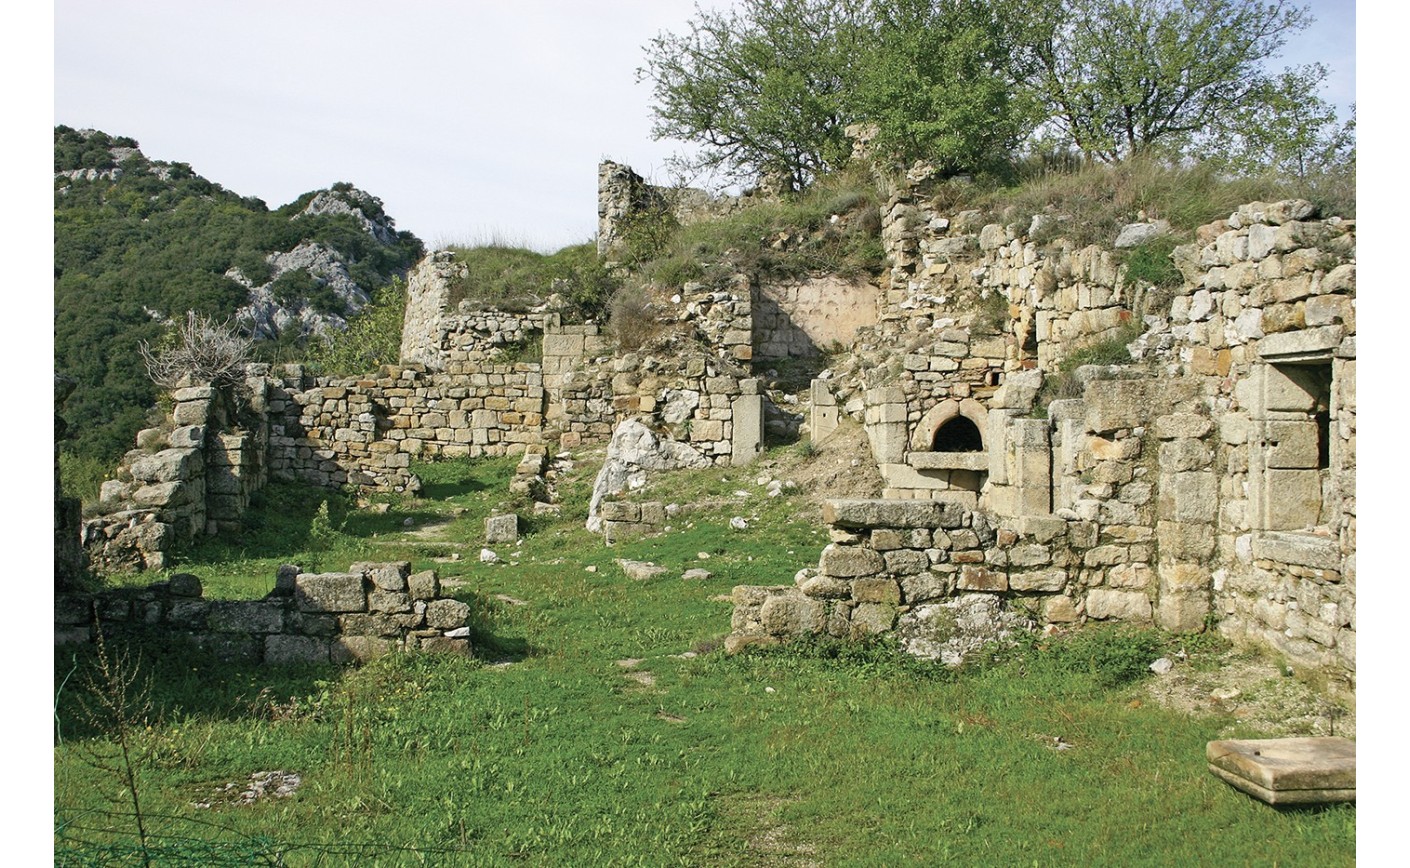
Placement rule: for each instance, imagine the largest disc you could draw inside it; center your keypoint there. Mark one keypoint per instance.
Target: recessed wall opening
(1297, 445)
(957, 435)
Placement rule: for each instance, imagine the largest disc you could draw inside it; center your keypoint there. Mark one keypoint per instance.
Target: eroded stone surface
(1287, 771)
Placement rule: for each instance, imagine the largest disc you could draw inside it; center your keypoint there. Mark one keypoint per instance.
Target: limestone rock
(330, 592)
(635, 448)
(446, 614)
(502, 529)
(640, 570)
(950, 630)
(1136, 234)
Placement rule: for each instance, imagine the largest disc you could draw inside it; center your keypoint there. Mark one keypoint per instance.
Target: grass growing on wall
(601, 723)
(834, 226)
(1099, 199)
(514, 279)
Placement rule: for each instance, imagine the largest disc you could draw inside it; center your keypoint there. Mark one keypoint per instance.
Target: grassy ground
(600, 725)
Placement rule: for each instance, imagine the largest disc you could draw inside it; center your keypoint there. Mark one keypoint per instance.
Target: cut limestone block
(1287, 771)
(502, 528)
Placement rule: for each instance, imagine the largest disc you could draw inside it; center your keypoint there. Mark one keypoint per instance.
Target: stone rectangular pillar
(747, 437)
(1031, 466)
(824, 411)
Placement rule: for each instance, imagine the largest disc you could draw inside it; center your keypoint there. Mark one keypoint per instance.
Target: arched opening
(959, 434)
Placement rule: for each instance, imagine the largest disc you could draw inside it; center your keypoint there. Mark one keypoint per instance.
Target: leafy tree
(768, 88)
(1125, 76)
(1286, 129)
(940, 82)
(761, 86)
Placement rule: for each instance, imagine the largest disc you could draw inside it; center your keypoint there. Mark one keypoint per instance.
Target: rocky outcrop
(364, 208)
(269, 316)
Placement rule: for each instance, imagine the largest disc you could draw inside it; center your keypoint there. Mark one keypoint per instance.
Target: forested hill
(138, 242)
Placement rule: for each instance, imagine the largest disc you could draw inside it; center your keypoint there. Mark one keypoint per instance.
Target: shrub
(372, 338)
(200, 350)
(1150, 264)
(516, 278)
(633, 320)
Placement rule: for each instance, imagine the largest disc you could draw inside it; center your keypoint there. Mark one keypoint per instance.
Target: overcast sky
(470, 120)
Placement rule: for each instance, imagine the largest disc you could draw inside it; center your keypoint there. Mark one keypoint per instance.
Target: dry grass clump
(632, 319)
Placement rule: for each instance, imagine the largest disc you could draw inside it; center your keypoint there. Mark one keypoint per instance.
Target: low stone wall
(332, 432)
(623, 520)
(891, 563)
(370, 610)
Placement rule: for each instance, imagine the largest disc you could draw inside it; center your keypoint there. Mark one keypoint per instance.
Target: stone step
(1287, 771)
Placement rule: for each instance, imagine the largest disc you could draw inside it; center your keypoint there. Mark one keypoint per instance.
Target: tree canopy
(1123, 76)
(761, 87)
(768, 88)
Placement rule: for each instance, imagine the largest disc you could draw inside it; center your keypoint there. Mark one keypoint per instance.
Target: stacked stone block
(887, 558)
(370, 610)
(366, 431)
(624, 520)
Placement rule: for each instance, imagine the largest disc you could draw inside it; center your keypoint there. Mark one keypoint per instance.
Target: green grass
(779, 240)
(839, 754)
(515, 279)
(1101, 198)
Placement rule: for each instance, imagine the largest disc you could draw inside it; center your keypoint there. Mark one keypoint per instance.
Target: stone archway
(940, 424)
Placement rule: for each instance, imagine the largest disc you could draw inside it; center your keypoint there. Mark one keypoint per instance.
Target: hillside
(138, 242)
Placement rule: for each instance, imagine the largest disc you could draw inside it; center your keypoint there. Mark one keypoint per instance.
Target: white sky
(469, 119)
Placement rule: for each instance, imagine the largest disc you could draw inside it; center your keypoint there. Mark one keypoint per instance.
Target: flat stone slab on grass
(640, 570)
(1287, 771)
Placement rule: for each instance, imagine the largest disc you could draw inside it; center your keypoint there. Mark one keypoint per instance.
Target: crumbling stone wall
(460, 338)
(370, 610)
(193, 475)
(365, 431)
(623, 195)
(810, 317)
(1211, 481)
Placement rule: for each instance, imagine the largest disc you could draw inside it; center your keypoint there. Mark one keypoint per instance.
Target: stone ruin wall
(370, 610)
(1212, 481)
(622, 195)
(772, 321)
(193, 475)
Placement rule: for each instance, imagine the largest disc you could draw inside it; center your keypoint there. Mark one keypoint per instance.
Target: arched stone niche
(947, 459)
(942, 418)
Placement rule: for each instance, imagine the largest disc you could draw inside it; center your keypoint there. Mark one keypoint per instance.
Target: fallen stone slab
(640, 570)
(1287, 771)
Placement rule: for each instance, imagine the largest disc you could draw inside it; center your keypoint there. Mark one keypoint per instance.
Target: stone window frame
(1277, 373)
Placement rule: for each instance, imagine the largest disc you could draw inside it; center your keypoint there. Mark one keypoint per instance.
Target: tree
(768, 88)
(760, 87)
(1286, 129)
(1125, 76)
(940, 81)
